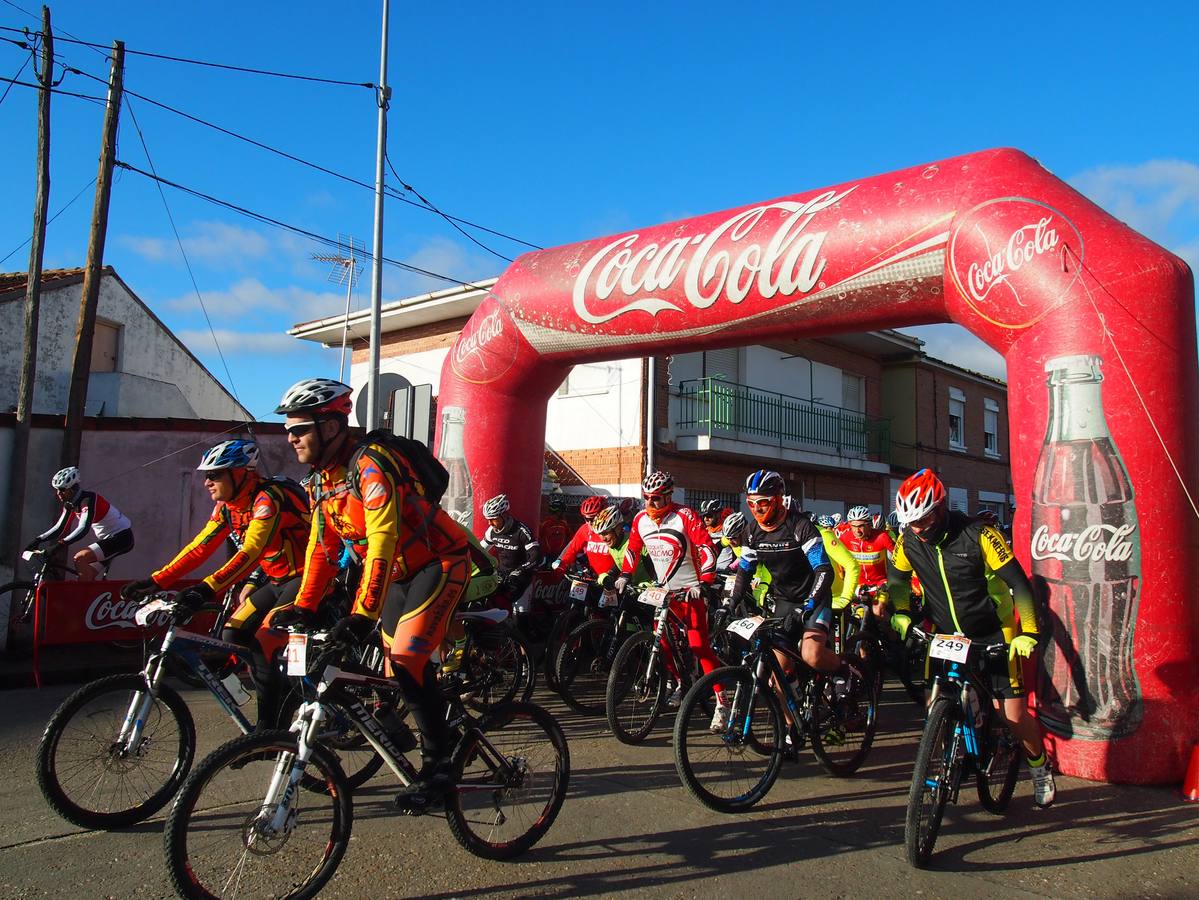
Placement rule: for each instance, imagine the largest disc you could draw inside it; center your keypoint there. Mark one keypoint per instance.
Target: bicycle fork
(278, 810)
(130, 736)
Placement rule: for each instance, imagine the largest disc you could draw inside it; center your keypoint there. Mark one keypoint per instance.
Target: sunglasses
(299, 429)
(215, 476)
(764, 503)
(656, 499)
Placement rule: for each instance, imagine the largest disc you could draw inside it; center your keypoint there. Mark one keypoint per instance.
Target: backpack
(288, 493)
(432, 479)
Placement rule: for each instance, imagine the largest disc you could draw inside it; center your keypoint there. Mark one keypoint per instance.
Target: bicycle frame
(665, 639)
(766, 667)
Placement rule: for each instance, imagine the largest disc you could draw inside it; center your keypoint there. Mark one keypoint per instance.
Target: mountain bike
(586, 656)
(118, 748)
(22, 594)
(732, 768)
(636, 688)
(963, 733)
(271, 813)
(494, 664)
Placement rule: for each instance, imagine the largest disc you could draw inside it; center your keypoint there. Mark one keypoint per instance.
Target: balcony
(714, 414)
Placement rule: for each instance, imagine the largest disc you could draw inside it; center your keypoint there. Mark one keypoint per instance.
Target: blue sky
(556, 122)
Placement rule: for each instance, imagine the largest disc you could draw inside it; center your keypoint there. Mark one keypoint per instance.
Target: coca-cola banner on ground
(1097, 325)
(78, 612)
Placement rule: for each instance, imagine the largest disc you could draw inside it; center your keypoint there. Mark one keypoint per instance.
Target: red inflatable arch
(1097, 325)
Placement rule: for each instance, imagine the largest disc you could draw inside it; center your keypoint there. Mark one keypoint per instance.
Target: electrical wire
(56, 90)
(186, 261)
(429, 203)
(295, 229)
(61, 210)
(13, 81)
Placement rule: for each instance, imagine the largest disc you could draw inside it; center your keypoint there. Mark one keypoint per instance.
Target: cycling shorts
(819, 618)
(418, 610)
(114, 545)
(249, 615)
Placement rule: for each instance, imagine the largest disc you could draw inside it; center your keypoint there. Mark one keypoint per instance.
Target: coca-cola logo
(1013, 260)
(1095, 543)
(105, 612)
(486, 348)
(770, 249)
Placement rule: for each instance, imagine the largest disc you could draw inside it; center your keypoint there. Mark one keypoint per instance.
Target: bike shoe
(425, 795)
(675, 697)
(1043, 788)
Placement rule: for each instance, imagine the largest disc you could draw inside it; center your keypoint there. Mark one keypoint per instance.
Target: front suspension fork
(281, 791)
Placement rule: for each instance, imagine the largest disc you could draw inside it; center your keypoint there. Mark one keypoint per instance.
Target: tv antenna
(345, 271)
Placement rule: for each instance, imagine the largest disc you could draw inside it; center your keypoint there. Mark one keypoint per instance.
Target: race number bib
(952, 647)
(655, 597)
(578, 590)
(297, 654)
(143, 614)
(608, 599)
(745, 628)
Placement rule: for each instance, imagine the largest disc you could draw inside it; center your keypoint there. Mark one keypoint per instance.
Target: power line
(210, 64)
(183, 253)
(429, 203)
(62, 210)
(55, 90)
(20, 71)
(295, 229)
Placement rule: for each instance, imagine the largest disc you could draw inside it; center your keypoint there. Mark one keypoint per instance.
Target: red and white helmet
(318, 396)
(918, 496)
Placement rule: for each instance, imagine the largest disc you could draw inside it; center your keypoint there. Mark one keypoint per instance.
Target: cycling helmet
(557, 504)
(610, 518)
(591, 507)
(628, 506)
(734, 525)
(496, 507)
(987, 516)
(230, 455)
(893, 520)
(710, 508)
(65, 479)
(765, 482)
(657, 482)
(825, 521)
(318, 396)
(858, 514)
(918, 496)
(876, 521)
(836, 518)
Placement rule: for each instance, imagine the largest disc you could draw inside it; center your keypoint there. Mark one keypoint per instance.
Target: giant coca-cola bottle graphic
(459, 495)
(1086, 551)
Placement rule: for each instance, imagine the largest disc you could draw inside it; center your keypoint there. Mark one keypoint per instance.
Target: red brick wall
(434, 336)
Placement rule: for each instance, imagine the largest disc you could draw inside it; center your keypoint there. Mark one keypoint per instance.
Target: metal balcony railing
(724, 409)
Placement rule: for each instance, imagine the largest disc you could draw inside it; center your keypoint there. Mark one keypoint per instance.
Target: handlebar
(997, 649)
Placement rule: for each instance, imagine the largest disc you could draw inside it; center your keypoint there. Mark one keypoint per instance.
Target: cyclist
(971, 579)
(553, 532)
(681, 553)
(268, 523)
(415, 562)
(613, 530)
(870, 548)
(845, 567)
(83, 510)
(713, 512)
(788, 544)
(588, 542)
(732, 542)
(512, 544)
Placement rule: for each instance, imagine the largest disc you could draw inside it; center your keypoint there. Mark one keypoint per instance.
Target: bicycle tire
(525, 735)
(936, 745)
(836, 721)
(20, 603)
(500, 657)
(569, 619)
(694, 740)
(1000, 767)
(221, 820)
(628, 686)
(57, 779)
(582, 667)
(911, 673)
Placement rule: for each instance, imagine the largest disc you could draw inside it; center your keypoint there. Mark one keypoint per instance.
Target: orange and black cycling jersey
(395, 531)
(265, 525)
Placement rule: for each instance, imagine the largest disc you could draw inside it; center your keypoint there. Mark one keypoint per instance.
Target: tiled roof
(14, 281)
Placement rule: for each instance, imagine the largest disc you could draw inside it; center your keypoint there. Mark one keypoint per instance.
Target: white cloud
(208, 242)
(954, 344)
(1159, 198)
(249, 295)
(442, 256)
(270, 342)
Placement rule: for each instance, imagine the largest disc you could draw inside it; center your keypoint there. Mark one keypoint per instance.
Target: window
(589, 379)
(106, 340)
(724, 364)
(851, 392)
(1000, 509)
(958, 499)
(957, 419)
(990, 427)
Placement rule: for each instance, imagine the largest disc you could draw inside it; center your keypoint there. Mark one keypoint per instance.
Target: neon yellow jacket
(845, 567)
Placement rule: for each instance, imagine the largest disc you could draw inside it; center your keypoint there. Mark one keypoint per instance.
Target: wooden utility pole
(33, 291)
(81, 369)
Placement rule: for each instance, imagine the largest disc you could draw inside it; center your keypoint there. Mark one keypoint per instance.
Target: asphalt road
(628, 826)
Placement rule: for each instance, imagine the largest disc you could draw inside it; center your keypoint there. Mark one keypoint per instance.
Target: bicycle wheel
(569, 619)
(844, 718)
(730, 770)
(911, 671)
(20, 601)
(89, 779)
(932, 781)
(219, 838)
(1000, 764)
(511, 773)
(583, 665)
(634, 695)
(498, 668)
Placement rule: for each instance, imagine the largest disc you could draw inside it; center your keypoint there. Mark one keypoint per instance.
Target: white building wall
(767, 370)
(418, 368)
(157, 377)
(600, 406)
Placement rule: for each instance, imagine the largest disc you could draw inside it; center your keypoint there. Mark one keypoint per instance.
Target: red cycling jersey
(552, 535)
(871, 556)
(678, 546)
(587, 541)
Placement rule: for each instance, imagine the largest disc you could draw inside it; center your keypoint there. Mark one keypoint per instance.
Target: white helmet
(836, 518)
(609, 519)
(857, 514)
(496, 506)
(734, 525)
(237, 454)
(65, 479)
(319, 396)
